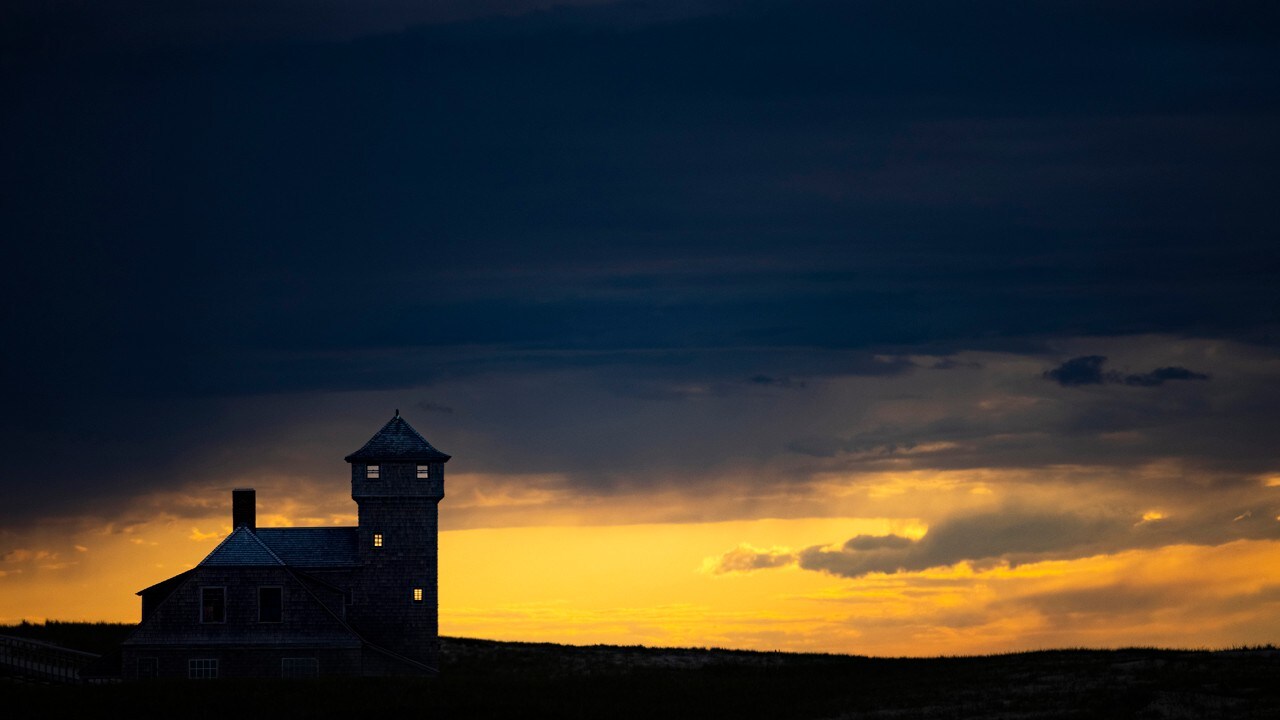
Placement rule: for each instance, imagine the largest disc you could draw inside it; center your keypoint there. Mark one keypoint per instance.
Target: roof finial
(397, 412)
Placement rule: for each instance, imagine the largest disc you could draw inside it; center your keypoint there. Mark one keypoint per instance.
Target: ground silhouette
(492, 679)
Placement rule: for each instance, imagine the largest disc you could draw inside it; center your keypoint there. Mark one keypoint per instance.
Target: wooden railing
(35, 660)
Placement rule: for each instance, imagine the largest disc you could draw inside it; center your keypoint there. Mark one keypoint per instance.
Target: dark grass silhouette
(490, 679)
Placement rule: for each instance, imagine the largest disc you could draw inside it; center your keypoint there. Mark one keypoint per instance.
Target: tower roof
(397, 440)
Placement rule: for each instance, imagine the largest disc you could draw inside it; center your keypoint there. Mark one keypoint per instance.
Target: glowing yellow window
(417, 594)
(377, 539)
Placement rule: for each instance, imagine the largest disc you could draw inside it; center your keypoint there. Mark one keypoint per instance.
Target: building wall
(403, 509)
(243, 645)
(173, 662)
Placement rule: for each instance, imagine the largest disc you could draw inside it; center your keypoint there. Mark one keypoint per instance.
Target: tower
(397, 481)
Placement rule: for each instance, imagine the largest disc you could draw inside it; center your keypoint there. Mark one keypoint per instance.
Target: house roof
(241, 548)
(312, 547)
(397, 440)
(305, 547)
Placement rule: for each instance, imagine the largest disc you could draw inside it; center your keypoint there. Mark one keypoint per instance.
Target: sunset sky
(886, 327)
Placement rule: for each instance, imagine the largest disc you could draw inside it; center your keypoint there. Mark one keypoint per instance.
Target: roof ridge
(253, 538)
(218, 547)
(266, 547)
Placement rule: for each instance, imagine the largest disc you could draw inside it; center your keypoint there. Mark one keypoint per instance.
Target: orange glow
(555, 577)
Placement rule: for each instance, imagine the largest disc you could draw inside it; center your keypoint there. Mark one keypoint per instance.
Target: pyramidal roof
(397, 440)
(241, 548)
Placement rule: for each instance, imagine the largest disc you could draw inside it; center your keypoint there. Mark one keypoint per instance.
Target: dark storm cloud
(201, 202)
(71, 26)
(1087, 370)
(812, 174)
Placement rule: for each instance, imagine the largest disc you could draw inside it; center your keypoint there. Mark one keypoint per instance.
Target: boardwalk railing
(41, 661)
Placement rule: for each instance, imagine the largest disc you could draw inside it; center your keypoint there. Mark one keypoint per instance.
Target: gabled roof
(241, 548)
(312, 547)
(397, 441)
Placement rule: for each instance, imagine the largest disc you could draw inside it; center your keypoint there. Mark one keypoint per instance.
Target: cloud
(746, 558)
(1160, 375)
(1004, 536)
(950, 363)
(862, 543)
(786, 383)
(199, 536)
(1087, 370)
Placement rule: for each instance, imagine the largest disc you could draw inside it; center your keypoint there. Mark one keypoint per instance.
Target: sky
(887, 328)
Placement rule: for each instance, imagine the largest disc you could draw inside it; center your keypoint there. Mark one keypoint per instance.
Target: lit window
(377, 539)
(417, 594)
(270, 604)
(424, 471)
(213, 605)
(202, 669)
(371, 472)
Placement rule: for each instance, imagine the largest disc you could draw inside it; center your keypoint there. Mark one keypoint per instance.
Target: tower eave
(369, 458)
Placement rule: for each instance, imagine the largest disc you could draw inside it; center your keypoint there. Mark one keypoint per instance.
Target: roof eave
(359, 458)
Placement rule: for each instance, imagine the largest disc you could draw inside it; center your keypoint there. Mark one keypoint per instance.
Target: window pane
(213, 605)
(202, 669)
(423, 471)
(270, 604)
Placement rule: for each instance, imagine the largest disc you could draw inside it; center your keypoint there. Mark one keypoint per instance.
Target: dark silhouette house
(311, 601)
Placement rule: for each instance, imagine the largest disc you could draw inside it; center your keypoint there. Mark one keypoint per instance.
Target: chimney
(244, 509)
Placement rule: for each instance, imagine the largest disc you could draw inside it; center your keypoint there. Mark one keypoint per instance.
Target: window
(147, 668)
(417, 595)
(270, 604)
(213, 604)
(424, 471)
(371, 472)
(377, 539)
(299, 667)
(203, 669)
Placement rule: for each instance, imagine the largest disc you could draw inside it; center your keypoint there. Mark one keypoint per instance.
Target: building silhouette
(311, 601)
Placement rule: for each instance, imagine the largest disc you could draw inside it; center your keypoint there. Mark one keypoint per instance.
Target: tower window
(371, 472)
(417, 595)
(270, 604)
(424, 471)
(213, 604)
(377, 539)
